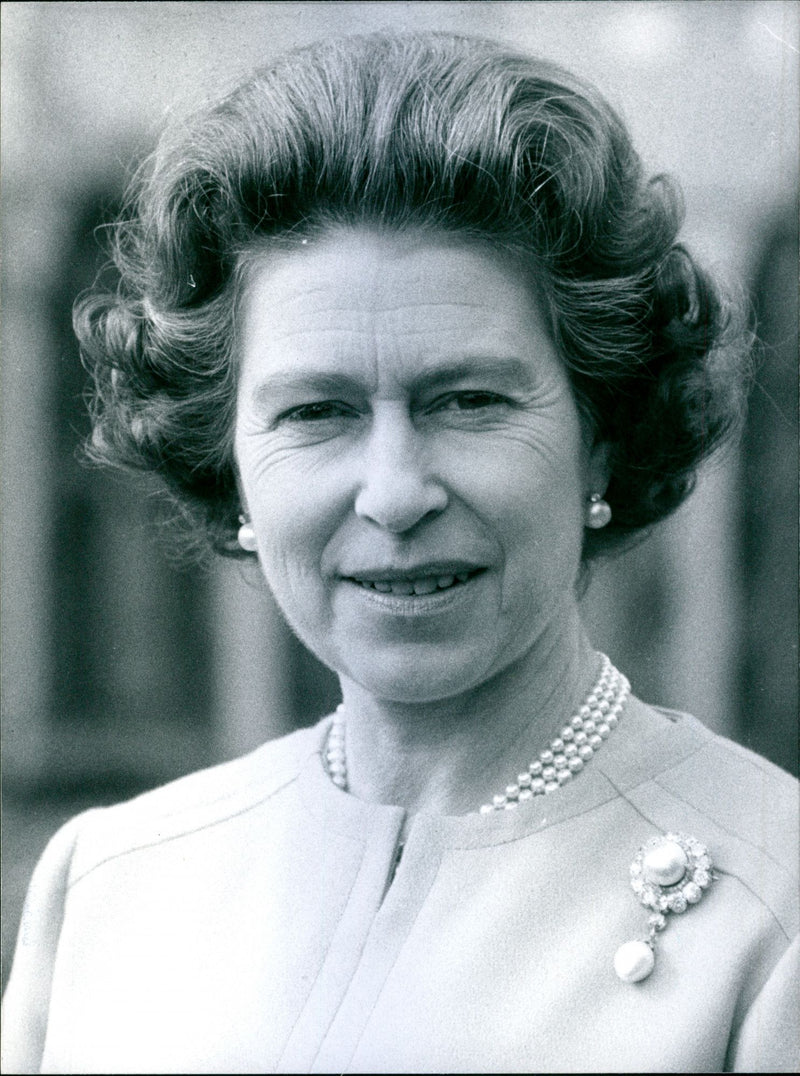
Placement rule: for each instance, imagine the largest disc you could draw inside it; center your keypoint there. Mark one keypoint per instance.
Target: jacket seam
(189, 830)
(731, 833)
(387, 976)
(302, 1009)
(727, 873)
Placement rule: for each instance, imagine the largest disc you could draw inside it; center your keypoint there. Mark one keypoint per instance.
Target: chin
(416, 678)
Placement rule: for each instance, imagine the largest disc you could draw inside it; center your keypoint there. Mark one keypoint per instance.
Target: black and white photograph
(399, 536)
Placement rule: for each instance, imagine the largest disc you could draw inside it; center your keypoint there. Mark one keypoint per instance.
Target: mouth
(407, 586)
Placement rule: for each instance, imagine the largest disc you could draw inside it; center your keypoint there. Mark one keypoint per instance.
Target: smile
(423, 585)
(424, 591)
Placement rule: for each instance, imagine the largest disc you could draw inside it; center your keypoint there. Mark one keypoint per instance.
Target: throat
(449, 761)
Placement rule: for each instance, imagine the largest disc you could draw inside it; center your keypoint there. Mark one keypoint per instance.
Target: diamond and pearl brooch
(668, 875)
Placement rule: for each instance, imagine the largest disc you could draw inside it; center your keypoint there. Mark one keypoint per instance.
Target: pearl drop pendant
(634, 961)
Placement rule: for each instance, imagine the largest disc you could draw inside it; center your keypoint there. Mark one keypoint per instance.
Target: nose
(397, 488)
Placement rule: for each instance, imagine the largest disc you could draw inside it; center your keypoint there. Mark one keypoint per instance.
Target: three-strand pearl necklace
(578, 741)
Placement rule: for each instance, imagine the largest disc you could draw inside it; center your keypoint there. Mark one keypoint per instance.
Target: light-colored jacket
(249, 918)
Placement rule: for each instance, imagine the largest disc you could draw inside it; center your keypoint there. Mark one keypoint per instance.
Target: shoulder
(741, 793)
(200, 802)
(753, 799)
(743, 807)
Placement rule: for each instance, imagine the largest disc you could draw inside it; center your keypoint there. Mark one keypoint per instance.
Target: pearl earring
(598, 512)
(247, 536)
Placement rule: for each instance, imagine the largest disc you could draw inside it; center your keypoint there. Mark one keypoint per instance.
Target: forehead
(414, 298)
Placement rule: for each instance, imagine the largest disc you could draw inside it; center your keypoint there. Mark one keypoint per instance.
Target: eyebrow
(290, 383)
(506, 370)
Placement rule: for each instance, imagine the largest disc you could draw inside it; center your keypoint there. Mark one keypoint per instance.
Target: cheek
(524, 484)
(294, 514)
(535, 506)
(291, 534)
(275, 485)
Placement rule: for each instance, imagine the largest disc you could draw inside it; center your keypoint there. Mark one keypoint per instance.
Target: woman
(401, 318)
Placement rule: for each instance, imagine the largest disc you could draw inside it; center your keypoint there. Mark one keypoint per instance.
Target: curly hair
(426, 130)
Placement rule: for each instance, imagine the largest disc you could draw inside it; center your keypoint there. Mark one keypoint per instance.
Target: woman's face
(411, 456)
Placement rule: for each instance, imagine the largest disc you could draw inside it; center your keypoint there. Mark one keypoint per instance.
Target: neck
(448, 756)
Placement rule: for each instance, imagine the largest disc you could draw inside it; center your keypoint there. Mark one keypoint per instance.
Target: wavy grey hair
(431, 131)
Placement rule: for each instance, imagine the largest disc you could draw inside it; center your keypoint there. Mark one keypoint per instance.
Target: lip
(413, 605)
(408, 573)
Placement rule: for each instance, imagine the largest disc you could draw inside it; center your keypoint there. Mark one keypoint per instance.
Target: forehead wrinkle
(389, 332)
(375, 297)
(357, 311)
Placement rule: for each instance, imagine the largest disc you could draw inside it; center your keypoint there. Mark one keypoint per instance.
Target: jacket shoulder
(198, 801)
(737, 802)
(754, 800)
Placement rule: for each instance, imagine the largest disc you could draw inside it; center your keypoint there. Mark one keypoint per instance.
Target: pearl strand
(558, 763)
(577, 743)
(335, 756)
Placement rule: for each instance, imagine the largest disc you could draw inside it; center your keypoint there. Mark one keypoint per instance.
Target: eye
(471, 400)
(318, 411)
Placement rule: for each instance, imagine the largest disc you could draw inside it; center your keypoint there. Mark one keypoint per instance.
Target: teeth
(406, 587)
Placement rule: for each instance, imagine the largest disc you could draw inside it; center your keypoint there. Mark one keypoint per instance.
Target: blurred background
(122, 669)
